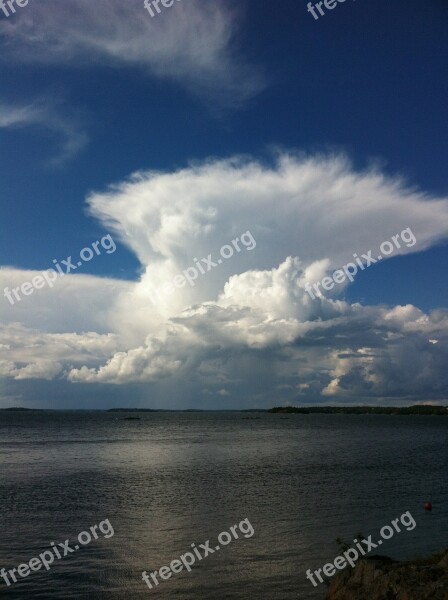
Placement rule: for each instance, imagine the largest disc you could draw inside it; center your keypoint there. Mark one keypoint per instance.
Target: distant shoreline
(420, 409)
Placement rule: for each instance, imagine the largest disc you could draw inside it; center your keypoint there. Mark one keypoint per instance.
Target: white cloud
(33, 354)
(317, 209)
(247, 324)
(75, 303)
(46, 114)
(191, 42)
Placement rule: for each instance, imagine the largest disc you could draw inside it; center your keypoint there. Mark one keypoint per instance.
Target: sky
(183, 180)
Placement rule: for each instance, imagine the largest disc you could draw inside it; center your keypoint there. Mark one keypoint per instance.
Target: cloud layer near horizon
(249, 319)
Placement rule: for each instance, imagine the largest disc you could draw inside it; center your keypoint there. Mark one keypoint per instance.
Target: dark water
(171, 479)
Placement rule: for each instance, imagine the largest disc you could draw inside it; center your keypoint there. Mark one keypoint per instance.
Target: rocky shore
(381, 578)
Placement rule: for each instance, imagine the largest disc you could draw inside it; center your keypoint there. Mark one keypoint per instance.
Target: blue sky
(208, 102)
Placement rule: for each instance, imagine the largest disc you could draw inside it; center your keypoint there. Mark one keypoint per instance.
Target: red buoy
(428, 506)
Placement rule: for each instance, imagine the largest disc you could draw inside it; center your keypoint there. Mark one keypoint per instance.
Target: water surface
(171, 479)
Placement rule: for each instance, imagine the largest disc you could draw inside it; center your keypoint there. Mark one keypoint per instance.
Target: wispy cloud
(193, 43)
(46, 114)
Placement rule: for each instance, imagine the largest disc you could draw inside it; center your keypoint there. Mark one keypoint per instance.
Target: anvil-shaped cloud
(249, 319)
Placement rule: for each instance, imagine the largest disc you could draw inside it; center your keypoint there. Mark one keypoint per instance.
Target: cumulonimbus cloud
(251, 316)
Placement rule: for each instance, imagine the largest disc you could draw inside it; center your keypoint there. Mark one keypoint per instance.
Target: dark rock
(380, 578)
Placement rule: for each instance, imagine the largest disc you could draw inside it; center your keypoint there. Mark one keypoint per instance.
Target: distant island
(132, 410)
(21, 408)
(120, 410)
(418, 409)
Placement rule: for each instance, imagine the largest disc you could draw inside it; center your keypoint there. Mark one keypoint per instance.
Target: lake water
(171, 479)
